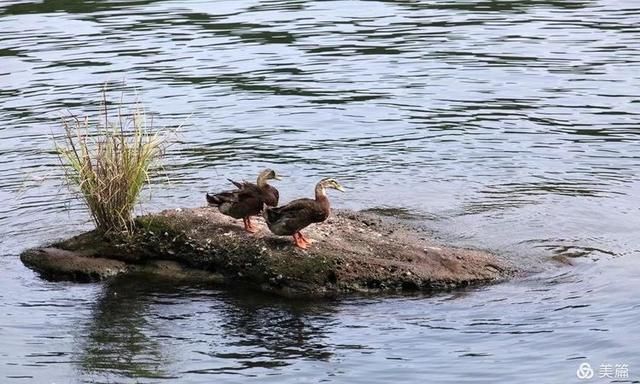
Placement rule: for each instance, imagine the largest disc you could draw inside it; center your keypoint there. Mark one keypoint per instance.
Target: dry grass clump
(109, 162)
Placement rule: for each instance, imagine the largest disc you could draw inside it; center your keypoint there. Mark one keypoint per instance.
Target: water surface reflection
(509, 125)
(138, 322)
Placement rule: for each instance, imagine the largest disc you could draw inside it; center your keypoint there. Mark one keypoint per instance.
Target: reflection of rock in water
(253, 332)
(138, 322)
(284, 330)
(116, 343)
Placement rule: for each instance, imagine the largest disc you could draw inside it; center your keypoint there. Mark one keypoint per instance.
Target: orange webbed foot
(298, 242)
(305, 239)
(248, 226)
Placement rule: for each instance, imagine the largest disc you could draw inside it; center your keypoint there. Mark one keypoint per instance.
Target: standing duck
(291, 218)
(248, 200)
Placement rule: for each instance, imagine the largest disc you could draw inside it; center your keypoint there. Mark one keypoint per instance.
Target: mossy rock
(353, 252)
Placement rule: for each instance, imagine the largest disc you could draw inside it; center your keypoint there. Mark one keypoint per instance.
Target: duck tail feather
(214, 199)
(238, 185)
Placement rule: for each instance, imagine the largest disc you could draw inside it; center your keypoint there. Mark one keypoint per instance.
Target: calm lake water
(500, 124)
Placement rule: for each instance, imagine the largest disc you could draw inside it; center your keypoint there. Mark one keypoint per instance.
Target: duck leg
(305, 240)
(254, 229)
(247, 225)
(297, 240)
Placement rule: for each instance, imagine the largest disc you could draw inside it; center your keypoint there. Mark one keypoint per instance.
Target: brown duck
(248, 200)
(291, 218)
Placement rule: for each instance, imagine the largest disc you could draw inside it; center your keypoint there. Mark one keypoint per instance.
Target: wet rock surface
(352, 252)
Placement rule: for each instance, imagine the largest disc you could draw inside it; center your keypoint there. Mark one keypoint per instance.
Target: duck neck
(321, 195)
(262, 181)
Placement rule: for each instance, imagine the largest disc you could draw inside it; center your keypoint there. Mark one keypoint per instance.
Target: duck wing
(296, 215)
(270, 195)
(238, 203)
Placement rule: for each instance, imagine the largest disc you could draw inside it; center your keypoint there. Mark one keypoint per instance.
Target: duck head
(329, 183)
(267, 174)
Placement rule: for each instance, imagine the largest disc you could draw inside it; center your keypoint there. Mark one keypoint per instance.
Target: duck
(290, 219)
(248, 199)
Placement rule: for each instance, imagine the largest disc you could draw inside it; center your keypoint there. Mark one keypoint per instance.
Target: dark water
(505, 125)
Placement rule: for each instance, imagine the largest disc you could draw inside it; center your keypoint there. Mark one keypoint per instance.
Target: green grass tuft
(109, 162)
